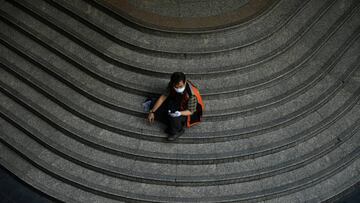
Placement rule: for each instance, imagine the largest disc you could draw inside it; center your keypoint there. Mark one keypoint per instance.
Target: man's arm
(191, 107)
(158, 102)
(186, 113)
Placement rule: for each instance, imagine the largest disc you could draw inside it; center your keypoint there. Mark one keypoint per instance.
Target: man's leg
(176, 124)
(176, 127)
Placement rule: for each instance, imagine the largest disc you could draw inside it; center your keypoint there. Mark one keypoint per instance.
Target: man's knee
(177, 121)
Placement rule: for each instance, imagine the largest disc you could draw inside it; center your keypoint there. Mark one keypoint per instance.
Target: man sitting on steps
(180, 104)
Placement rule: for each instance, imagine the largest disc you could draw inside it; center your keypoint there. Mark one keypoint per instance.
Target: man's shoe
(173, 137)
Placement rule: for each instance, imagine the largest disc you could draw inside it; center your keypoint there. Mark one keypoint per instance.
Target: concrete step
(142, 98)
(135, 67)
(69, 122)
(305, 146)
(210, 110)
(119, 189)
(235, 90)
(136, 110)
(150, 42)
(162, 28)
(44, 182)
(126, 121)
(326, 188)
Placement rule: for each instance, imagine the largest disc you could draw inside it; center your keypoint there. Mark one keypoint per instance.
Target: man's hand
(151, 117)
(175, 114)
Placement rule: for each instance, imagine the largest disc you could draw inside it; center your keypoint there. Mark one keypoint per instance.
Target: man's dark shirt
(191, 103)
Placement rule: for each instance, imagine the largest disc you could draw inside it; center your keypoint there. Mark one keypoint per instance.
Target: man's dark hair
(176, 77)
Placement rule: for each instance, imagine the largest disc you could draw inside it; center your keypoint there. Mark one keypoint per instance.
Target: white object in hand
(175, 114)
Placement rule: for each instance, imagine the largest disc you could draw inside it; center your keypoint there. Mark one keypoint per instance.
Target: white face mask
(180, 90)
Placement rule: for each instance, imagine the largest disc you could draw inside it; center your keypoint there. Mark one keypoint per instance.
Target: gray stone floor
(12, 190)
(181, 8)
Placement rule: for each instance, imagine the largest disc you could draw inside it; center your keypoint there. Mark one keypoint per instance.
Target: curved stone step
(342, 191)
(124, 142)
(214, 94)
(326, 188)
(129, 142)
(151, 59)
(118, 129)
(100, 99)
(95, 107)
(304, 152)
(110, 123)
(317, 185)
(58, 189)
(185, 44)
(55, 120)
(163, 27)
(239, 83)
(107, 186)
(70, 84)
(67, 94)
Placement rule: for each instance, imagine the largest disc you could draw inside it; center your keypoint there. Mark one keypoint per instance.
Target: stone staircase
(281, 93)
